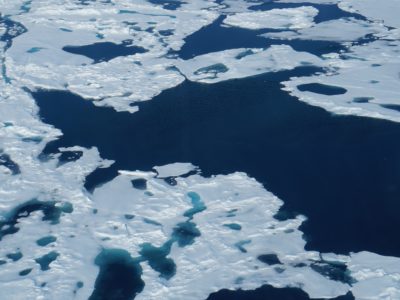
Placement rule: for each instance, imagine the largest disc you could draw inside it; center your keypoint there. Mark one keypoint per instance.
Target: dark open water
(343, 173)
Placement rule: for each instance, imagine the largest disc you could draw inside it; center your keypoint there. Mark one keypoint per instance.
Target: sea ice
(286, 18)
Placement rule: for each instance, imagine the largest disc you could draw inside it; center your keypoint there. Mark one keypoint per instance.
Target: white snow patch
(285, 18)
(244, 62)
(175, 169)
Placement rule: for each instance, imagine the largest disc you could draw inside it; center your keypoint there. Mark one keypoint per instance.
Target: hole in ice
(240, 245)
(25, 272)
(140, 183)
(104, 51)
(151, 222)
(119, 276)
(7, 162)
(51, 210)
(157, 259)
(320, 88)
(362, 99)
(67, 156)
(244, 54)
(44, 241)
(279, 270)
(198, 205)
(171, 181)
(233, 226)
(46, 260)
(129, 217)
(15, 256)
(185, 233)
(333, 270)
(66, 30)
(213, 70)
(34, 139)
(78, 286)
(34, 49)
(231, 213)
(167, 32)
(269, 259)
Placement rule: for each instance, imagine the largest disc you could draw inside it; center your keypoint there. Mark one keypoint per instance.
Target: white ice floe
(240, 63)
(369, 73)
(175, 169)
(378, 276)
(350, 30)
(36, 59)
(386, 12)
(286, 18)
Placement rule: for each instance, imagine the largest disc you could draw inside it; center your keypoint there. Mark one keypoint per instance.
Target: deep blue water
(222, 38)
(341, 172)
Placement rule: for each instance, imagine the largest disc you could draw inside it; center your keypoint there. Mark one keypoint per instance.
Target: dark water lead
(334, 271)
(224, 38)
(68, 156)
(51, 210)
(342, 172)
(105, 51)
(323, 89)
(119, 276)
(268, 292)
(7, 162)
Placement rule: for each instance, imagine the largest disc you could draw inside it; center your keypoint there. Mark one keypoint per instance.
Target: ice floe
(285, 18)
(368, 73)
(239, 63)
(350, 30)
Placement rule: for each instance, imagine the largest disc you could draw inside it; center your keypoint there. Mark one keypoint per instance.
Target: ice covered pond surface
(222, 185)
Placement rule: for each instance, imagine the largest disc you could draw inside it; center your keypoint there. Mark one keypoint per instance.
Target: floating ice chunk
(368, 73)
(285, 18)
(378, 276)
(388, 13)
(175, 169)
(350, 30)
(240, 63)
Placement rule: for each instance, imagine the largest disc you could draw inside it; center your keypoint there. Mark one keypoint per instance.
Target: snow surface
(285, 18)
(350, 30)
(244, 62)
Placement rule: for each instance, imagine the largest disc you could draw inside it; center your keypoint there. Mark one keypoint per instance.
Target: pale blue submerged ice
(53, 247)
